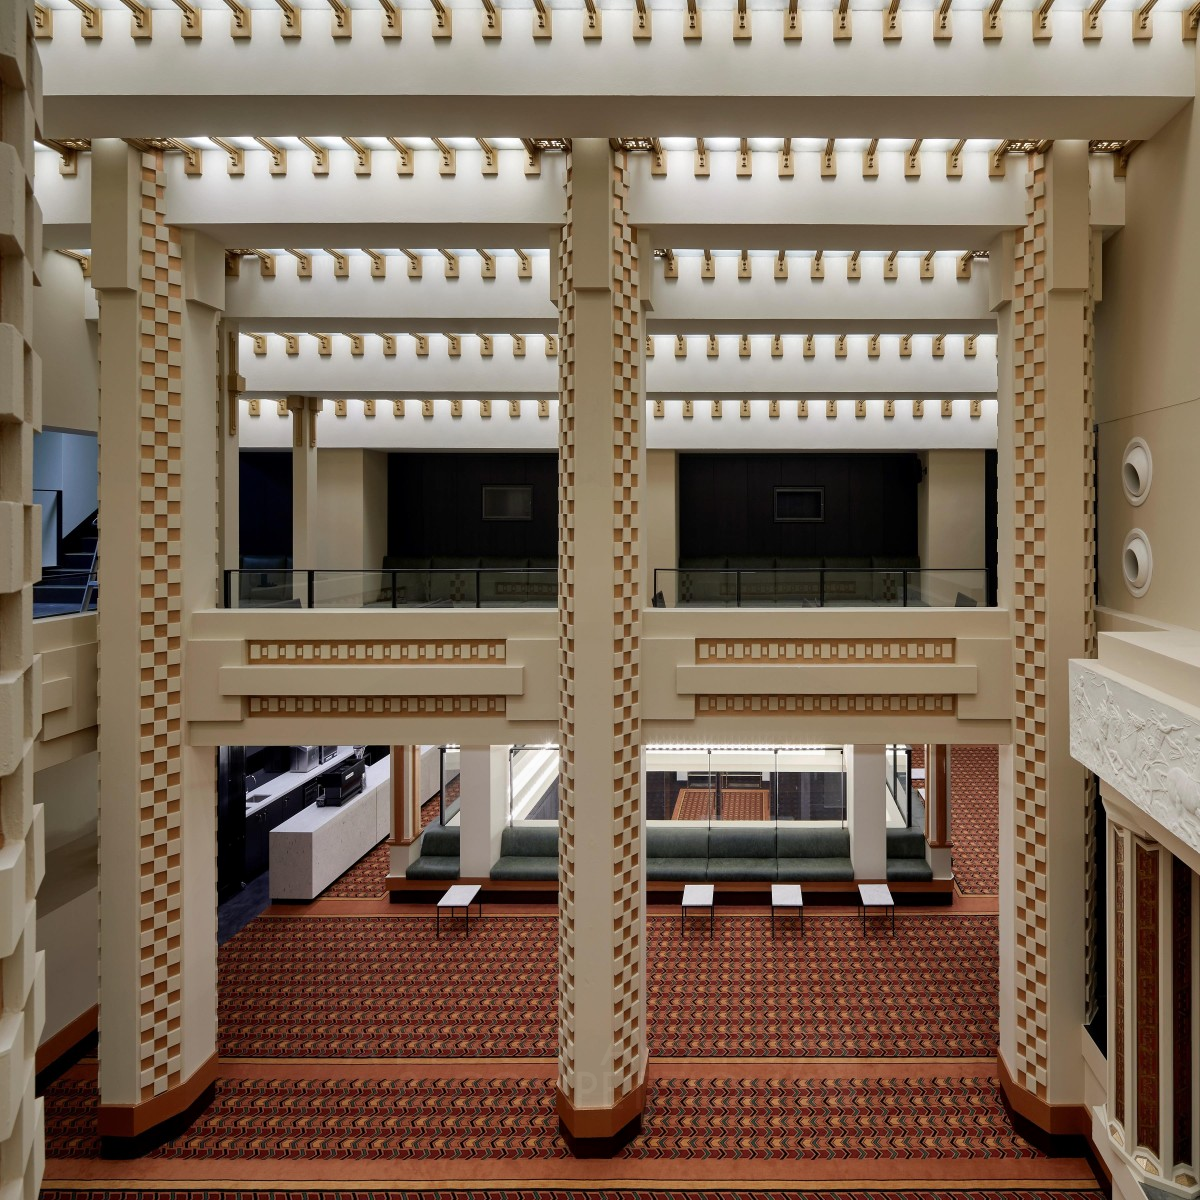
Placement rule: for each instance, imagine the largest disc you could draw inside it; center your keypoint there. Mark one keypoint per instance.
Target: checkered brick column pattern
(601, 393)
(1053, 495)
(22, 968)
(1029, 615)
(160, 303)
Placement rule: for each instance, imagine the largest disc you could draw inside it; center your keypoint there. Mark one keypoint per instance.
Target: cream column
(228, 440)
(866, 809)
(483, 776)
(22, 857)
(601, 1021)
(304, 410)
(1047, 405)
(157, 561)
(937, 810)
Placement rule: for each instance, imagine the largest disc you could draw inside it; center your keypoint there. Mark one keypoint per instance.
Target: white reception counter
(309, 851)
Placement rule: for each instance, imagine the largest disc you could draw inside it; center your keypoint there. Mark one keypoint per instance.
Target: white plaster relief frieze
(1147, 749)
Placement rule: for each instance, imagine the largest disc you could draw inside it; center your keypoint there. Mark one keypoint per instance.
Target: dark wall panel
(265, 502)
(727, 505)
(435, 505)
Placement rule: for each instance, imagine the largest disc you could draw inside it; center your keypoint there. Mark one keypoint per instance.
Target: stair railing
(93, 581)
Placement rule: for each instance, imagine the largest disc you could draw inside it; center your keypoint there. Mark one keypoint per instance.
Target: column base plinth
(131, 1130)
(600, 1132)
(1060, 1130)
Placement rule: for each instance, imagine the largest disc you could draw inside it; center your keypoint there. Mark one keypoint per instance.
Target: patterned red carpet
(366, 880)
(974, 818)
(514, 1118)
(355, 987)
(737, 804)
(605, 1193)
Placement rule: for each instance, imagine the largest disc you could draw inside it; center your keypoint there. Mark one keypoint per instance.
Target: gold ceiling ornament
(341, 26)
(414, 263)
(448, 160)
(43, 21)
(829, 160)
(543, 20)
(93, 20)
(943, 29)
(84, 261)
(320, 155)
(993, 22)
(68, 150)
(290, 26)
(793, 28)
(237, 156)
(643, 27)
(451, 263)
(693, 29)
(278, 155)
(404, 156)
(192, 24)
(443, 20)
(1143, 26)
(142, 25)
(493, 20)
(362, 155)
(487, 265)
(341, 263)
(891, 22)
(954, 159)
(741, 22)
(490, 163)
(378, 263)
(392, 27)
(593, 21)
(524, 265)
(912, 160)
(304, 263)
(700, 167)
(1041, 21)
(870, 160)
(843, 22)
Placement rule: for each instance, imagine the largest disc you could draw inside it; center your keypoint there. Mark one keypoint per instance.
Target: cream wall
(1148, 374)
(351, 508)
(67, 344)
(950, 509)
(68, 913)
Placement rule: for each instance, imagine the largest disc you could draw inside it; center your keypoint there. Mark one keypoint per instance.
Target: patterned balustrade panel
(719, 676)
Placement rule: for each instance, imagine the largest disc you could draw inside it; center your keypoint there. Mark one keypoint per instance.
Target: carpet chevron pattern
(355, 987)
(366, 880)
(975, 818)
(603, 1193)
(713, 1120)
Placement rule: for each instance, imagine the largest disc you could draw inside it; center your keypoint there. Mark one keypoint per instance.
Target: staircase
(70, 587)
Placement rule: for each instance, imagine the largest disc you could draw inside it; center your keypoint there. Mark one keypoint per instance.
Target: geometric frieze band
(733, 706)
(384, 706)
(318, 651)
(825, 650)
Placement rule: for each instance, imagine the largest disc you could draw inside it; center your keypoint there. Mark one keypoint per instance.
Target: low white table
(876, 895)
(787, 895)
(461, 895)
(697, 895)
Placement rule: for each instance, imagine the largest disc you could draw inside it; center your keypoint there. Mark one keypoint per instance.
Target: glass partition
(448, 793)
(532, 783)
(818, 587)
(713, 784)
(906, 807)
